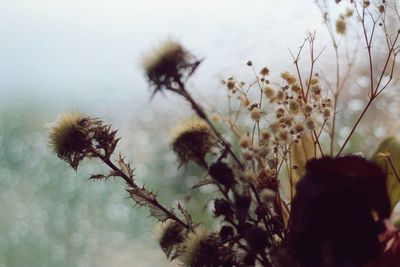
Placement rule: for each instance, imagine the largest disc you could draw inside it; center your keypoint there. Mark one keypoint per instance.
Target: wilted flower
(192, 140)
(75, 136)
(199, 249)
(331, 215)
(167, 64)
(170, 234)
(69, 137)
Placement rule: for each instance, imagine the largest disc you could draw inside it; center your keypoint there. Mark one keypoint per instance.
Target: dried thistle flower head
(69, 138)
(75, 137)
(196, 248)
(192, 140)
(170, 235)
(167, 64)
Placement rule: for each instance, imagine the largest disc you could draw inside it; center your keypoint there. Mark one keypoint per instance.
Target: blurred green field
(53, 216)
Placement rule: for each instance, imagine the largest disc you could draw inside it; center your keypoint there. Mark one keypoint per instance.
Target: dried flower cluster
(285, 193)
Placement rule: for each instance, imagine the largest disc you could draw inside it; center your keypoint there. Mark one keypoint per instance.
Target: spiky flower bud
(75, 136)
(170, 234)
(68, 135)
(199, 249)
(192, 140)
(167, 64)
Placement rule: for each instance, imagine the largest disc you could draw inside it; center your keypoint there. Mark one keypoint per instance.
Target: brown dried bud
(222, 173)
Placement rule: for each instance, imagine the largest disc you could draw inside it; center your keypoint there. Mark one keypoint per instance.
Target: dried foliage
(286, 195)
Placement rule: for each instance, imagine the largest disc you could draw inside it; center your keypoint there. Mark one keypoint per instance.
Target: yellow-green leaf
(389, 150)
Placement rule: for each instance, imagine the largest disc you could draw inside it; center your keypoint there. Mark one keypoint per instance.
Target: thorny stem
(129, 181)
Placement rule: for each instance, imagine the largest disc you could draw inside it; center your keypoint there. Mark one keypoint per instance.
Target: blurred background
(84, 55)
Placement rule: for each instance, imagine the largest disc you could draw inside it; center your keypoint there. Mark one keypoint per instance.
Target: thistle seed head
(69, 137)
(198, 248)
(167, 64)
(192, 140)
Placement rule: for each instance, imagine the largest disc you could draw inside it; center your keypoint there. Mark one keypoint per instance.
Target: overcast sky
(82, 49)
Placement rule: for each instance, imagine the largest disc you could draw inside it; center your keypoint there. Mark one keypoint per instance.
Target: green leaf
(389, 151)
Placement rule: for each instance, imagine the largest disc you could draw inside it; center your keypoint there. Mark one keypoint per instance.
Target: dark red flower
(337, 212)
